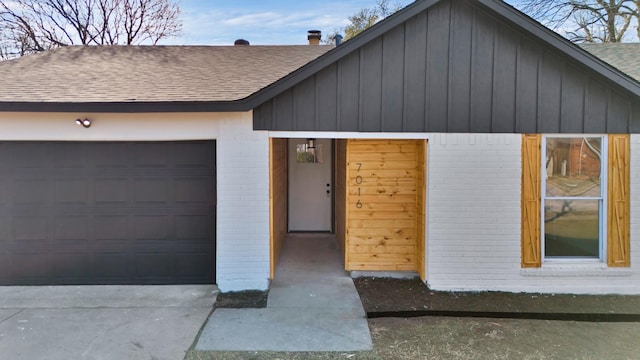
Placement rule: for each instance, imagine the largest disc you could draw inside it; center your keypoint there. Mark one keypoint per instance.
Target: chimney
(314, 37)
(241, 42)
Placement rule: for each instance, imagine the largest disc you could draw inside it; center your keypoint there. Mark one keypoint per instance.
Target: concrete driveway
(102, 322)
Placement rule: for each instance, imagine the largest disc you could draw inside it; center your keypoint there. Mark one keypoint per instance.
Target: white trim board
(346, 135)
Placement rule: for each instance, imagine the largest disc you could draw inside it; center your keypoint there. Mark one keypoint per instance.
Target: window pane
(573, 167)
(571, 228)
(309, 155)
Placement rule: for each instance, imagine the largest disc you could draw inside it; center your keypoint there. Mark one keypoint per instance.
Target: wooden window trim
(618, 205)
(618, 201)
(530, 203)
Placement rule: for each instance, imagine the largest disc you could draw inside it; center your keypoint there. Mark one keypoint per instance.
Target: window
(575, 199)
(309, 153)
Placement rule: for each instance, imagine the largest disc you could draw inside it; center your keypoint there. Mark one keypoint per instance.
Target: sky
(279, 22)
(263, 22)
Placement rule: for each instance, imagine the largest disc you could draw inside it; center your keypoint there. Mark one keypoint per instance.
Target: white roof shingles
(106, 74)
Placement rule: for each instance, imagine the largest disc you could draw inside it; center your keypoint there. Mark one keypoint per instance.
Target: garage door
(107, 213)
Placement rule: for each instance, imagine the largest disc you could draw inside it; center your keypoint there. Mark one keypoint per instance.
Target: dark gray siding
(455, 67)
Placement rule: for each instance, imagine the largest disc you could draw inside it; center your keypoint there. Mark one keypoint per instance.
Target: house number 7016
(358, 182)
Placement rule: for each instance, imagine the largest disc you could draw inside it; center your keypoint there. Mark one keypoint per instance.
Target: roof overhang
(509, 13)
(127, 107)
(551, 37)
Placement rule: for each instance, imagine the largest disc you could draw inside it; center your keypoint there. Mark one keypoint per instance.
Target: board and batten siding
(474, 223)
(384, 180)
(454, 68)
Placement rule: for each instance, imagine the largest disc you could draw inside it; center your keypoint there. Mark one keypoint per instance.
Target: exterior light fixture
(85, 123)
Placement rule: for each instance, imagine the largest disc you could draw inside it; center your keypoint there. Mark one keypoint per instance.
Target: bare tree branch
(592, 20)
(365, 18)
(28, 26)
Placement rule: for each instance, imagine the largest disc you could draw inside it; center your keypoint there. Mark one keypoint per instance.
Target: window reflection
(306, 154)
(573, 167)
(571, 228)
(573, 197)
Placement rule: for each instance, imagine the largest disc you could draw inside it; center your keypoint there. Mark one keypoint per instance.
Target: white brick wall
(473, 222)
(243, 207)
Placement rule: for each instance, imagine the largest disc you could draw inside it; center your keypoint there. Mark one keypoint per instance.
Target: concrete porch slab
(284, 329)
(312, 305)
(340, 294)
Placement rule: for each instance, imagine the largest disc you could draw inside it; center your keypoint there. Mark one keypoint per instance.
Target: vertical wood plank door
(383, 205)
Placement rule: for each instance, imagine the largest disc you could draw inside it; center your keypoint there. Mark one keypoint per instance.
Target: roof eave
(339, 52)
(127, 107)
(556, 40)
(506, 11)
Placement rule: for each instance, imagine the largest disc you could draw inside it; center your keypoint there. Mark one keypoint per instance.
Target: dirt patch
(481, 338)
(389, 295)
(406, 295)
(433, 337)
(465, 338)
(242, 299)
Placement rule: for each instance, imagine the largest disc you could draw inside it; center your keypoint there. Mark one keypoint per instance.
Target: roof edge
(557, 41)
(338, 52)
(127, 107)
(506, 11)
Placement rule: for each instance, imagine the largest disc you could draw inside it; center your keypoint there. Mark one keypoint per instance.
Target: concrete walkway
(102, 322)
(312, 306)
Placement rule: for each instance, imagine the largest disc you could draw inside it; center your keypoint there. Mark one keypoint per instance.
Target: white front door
(310, 188)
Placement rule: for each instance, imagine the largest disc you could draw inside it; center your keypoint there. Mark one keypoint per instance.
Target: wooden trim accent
(618, 209)
(421, 169)
(277, 199)
(530, 202)
(340, 191)
(346, 204)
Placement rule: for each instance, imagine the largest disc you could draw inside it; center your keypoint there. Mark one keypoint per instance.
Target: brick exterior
(243, 207)
(473, 223)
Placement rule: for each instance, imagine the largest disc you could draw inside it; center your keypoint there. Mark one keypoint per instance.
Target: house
(458, 140)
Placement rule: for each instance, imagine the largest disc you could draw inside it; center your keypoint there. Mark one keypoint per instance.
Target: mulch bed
(242, 299)
(380, 295)
(411, 297)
